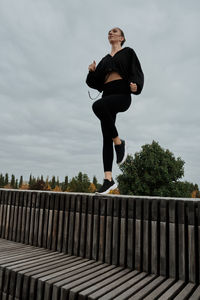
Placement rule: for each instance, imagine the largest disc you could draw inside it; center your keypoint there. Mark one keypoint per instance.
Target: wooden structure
(57, 246)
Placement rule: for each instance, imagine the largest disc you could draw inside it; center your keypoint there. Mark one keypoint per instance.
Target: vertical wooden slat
(24, 216)
(41, 219)
(131, 233)
(182, 245)
(16, 212)
(116, 231)
(67, 202)
(96, 218)
(61, 223)
(46, 220)
(138, 234)
(8, 214)
(163, 237)
(146, 236)
(32, 217)
(192, 243)
(77, 228)
(109, 231)
(173, 240)
(5, 196)
(89, 241)
(50, 220)
(11, 215)
(1, 211)
(123, 233)
(55, 222)
(84, 226)
(19, 223)
(198, 238)
(155, 237)
(36, 219)
(71, 225)
(28, 217)
(102, 229)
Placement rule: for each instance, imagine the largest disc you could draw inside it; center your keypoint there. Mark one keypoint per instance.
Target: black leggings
(116, 98)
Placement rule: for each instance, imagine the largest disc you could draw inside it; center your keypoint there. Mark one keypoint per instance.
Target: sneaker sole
(114, 186)
(125, 156)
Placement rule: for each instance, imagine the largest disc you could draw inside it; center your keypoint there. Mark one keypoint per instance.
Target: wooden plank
(155, 237)
(182, 244)
(146, 237)
(96, 221)
(95, 267)
(50, 220)
(36, 219)
(173, 240)
(130, 292)
(15, 219)
(19, 223)
(148, 288)
(173, 290)
(109, 231)
(84, 294)
(89, 227)
(28, 218)
(74, 292)
(49, 281)
(5, 196)
(77, 226)
(84, 226)
(1, 211)
(164, 238)
(66, 223)
(86, 279)
(131, 233)
(198, 237)
(160, 289)
(8, 214)
(186, 292)
(71, 224)
(41, 201)
(102, 229)
(32, 217)
(195, 295)
(55, 222)
(138, 235)
(192, 242)
(116, 231)
(123, 233)
(123, 287)
(60, 223)
(24, 208)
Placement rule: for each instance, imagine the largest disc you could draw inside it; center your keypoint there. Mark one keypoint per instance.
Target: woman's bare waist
(112, 76)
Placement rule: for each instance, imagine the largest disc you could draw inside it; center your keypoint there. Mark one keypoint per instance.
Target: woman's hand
(133, 87)
(92, 67)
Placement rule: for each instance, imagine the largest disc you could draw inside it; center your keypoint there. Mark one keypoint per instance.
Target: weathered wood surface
(68, 245)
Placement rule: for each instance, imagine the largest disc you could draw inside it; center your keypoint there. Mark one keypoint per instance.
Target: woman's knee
(97, 107)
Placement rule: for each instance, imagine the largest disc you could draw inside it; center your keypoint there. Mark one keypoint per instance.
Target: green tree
(20, 181)
(64, 185)
(153, 171)
(6, 179)
(12, 182)
(53, 182)
(2, 181)
(79, 183)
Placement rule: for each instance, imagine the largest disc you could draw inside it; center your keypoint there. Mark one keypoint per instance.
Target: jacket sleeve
(137, 75)
(92, 80)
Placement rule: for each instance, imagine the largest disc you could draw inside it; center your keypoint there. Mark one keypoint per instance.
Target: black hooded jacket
(125, 62)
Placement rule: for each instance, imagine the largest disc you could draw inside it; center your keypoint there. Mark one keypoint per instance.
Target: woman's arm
(137, 75)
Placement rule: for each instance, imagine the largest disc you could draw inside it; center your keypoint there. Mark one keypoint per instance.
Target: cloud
(46, 120)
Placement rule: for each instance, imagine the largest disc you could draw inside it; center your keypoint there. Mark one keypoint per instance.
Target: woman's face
(114, 36)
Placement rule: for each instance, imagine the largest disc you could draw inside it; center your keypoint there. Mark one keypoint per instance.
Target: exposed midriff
(112, 76)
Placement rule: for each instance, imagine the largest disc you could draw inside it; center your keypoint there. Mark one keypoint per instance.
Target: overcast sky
(47, 125)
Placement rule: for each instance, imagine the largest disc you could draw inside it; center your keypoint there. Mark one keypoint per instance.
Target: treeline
(79, 183)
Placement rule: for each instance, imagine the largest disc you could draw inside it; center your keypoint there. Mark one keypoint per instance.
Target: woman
(118, 75)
